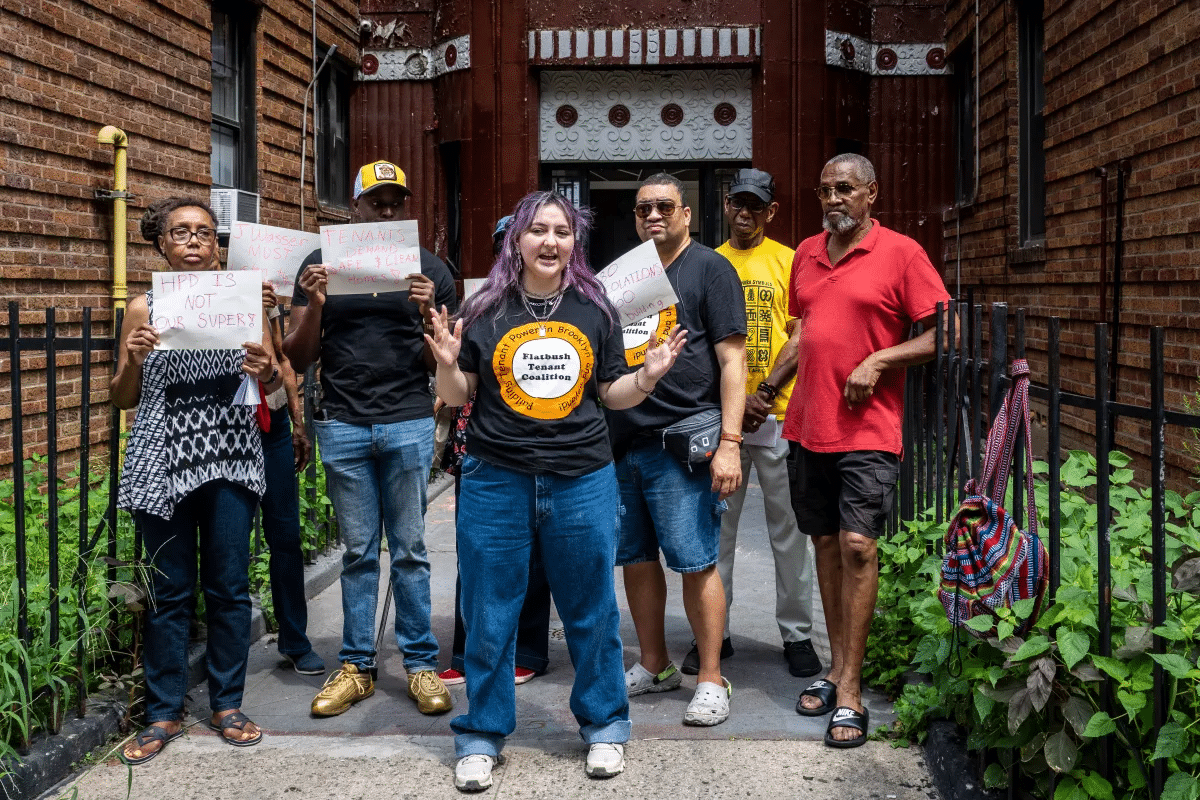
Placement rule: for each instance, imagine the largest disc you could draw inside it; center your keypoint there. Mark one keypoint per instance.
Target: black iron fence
(946, 422)
(49, 613)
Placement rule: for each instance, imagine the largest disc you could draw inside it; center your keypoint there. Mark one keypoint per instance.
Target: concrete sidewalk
(383, 747)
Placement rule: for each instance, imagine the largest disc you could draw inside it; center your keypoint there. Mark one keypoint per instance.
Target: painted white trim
(910, 58)
(647, 46)
(419, 63)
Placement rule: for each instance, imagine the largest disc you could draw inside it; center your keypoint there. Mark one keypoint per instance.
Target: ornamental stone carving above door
(645, 115)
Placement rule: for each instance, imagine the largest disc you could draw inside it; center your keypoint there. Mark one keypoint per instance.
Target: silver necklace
(549, 306)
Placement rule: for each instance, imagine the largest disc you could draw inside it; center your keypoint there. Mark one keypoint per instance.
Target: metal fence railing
(946, 423)
(34, 552)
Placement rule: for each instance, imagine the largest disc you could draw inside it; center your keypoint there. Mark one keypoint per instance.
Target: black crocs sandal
(846, 717)
(823, 690)
(238, 721)
(150, 734)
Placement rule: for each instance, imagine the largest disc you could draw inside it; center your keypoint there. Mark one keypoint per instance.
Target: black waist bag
(693, 440)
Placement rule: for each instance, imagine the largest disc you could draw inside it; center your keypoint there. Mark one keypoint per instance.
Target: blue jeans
(503, 516)
(281, 527)
(533, 627)
(376, 476)
(214, 520)
(665, 505)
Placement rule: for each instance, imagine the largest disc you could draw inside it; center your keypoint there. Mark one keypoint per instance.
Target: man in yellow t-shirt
(764, 267)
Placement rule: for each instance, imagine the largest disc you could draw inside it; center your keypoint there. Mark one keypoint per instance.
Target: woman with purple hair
(541, 348)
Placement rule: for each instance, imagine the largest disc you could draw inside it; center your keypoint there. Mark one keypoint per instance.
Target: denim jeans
(666, 506)
(533, 627)
(281, 527)
(214, 520)
(376, 476)
(571, 522)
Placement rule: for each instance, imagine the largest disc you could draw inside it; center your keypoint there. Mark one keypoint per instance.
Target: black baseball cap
(756, 182)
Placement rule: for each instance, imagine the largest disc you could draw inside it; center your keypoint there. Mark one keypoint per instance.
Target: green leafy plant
(1041, 699)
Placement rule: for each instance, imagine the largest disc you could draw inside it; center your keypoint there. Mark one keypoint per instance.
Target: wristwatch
(731, 437)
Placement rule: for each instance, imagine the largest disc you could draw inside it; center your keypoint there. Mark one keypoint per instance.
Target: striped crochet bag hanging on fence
(990, 562)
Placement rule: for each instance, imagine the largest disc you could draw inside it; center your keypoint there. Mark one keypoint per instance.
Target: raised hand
(661, 357)
(446, 340)
(314, 282)
(421, 293)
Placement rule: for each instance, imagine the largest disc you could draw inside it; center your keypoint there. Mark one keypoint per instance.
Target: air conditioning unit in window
(233, 205)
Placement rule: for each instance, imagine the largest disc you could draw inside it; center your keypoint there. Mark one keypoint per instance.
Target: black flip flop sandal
(823, 690)
(151, 733)
(846, 717)
(238, 721)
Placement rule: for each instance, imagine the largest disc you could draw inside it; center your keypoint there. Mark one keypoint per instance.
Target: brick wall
(145, 67)
(1120, 85)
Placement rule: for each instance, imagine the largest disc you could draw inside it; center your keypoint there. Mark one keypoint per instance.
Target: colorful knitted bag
(989, 561)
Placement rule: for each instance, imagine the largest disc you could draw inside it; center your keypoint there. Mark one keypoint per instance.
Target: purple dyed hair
(503, 283)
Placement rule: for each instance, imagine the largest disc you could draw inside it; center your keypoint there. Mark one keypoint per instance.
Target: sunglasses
(842, 189)
(751, 205)
(181, 235)
(665, 208)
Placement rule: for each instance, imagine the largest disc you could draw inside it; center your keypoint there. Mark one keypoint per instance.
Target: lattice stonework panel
(643, 115)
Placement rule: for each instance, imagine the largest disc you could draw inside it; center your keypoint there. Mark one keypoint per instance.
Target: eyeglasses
(842, 189)
(183, 235)
(738, 203)
(665, 207)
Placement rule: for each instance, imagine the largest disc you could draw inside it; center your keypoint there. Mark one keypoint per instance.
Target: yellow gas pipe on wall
(118, 194)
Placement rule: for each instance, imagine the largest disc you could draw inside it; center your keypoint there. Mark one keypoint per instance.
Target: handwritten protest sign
(637, 284)
(212, 310)
(370, 257)
(471, 286)
(278, 252)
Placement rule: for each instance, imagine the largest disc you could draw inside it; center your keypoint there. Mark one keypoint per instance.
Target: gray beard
(845, 223)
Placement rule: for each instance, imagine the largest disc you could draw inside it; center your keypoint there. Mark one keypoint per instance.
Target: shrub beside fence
(1100, 698)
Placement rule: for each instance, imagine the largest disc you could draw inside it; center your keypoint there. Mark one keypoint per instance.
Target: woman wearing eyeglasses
(192, 477)
(541, 347)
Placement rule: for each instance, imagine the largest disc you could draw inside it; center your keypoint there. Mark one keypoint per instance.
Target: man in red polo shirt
(856, 290)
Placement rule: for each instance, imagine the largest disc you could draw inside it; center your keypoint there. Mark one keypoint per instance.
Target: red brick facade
(1121, 91)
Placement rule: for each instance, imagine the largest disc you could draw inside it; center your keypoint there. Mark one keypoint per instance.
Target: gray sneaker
(639, 680)
(605, 759)
(473, 773)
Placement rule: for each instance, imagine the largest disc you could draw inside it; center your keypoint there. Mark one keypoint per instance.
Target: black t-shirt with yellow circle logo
(537, 407)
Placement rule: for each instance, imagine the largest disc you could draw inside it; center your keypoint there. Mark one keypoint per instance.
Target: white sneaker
(473, 773)
(639, 680)
(605, 759)
(710, 704)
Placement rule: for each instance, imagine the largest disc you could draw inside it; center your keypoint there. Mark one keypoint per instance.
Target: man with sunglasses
(375, 433)
(764, 267)
(856, 291)
(665, 505)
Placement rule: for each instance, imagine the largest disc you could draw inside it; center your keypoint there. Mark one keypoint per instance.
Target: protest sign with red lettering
(212, 310)
(278, 252)
(637, 284)
(370, 257)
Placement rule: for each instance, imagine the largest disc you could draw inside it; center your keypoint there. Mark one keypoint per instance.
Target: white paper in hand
(247, 393)
(210, 310)
(278, 252)
(637, 284)
(370, 257)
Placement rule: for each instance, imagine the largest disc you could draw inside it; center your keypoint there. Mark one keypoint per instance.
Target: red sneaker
(523, 675)
(452, 677)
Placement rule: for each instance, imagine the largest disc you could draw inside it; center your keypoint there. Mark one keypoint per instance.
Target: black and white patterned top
(187, 431)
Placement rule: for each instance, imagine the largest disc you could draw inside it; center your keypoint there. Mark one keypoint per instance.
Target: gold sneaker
(431, 694)
(343, 689)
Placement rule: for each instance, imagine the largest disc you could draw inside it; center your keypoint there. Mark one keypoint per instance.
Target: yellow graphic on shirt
(760, 327)
(638, 334)
(543, 368)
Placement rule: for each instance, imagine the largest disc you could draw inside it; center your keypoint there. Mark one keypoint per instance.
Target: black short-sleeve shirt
(537, 407)
(371, 367)
(711, 308)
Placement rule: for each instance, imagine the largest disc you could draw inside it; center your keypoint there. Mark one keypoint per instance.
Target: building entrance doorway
(610, 191)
